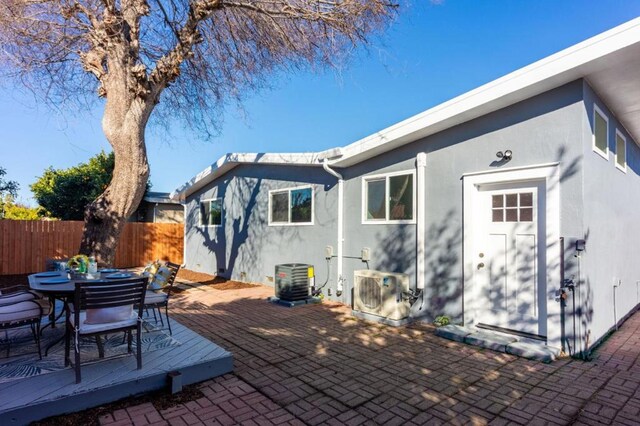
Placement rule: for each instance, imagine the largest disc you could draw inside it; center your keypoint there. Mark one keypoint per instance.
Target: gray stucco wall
(546, 128)
(246, 247)
(543, 129)
(611, 229)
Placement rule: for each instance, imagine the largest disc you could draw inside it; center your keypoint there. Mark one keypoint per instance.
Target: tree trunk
(124, 124)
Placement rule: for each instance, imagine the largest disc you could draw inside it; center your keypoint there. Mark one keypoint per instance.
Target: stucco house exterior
(490, 202)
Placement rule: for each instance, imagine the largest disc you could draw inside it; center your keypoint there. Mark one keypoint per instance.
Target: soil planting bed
(217, 283)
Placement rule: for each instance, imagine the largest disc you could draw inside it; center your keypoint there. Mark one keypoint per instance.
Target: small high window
(291, 206)
(600, 133)
(211, 212)
(621, 151)
(389, 198)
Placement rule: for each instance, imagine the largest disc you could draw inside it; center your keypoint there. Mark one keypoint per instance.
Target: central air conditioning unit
(293, 281)
(380, 296)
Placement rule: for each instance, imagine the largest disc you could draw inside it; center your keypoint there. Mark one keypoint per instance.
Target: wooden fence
(26, 245)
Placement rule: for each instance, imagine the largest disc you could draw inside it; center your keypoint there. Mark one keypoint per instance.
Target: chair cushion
(160, 278)
(21, 311)
(152, 268)
(153, 297)
(86, 328)
(105, 315)
(16, 297)
(158, 274)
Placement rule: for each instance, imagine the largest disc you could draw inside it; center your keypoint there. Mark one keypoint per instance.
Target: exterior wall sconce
(504, 156)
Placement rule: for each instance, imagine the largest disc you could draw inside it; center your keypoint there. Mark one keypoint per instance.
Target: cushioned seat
(15, 313)
(102, 307)
(98, 328)
(152, 297)
(16, 297)
(161, 277)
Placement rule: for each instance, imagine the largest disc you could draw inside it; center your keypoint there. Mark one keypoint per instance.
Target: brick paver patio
(317, 365)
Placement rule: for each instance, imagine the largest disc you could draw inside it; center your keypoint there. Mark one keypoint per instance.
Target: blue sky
(433, 52)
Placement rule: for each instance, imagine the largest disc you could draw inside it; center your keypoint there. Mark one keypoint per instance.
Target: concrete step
(453, 332)
(535, 351)
(489, 340)
(499, 342)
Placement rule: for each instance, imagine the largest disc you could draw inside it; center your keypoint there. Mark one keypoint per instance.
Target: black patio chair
(18, 312)
(17, 293)
(160, 299)
(101, 307)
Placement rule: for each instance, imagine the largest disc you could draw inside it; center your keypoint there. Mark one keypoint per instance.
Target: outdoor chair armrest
(11, 298)
(14, 289)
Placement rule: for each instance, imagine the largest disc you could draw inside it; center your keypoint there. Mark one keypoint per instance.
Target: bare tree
(172, 58)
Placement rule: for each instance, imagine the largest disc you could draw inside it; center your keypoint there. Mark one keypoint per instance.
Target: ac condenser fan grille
(369, 292)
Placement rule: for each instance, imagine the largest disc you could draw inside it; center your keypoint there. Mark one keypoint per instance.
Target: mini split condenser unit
(381, 296)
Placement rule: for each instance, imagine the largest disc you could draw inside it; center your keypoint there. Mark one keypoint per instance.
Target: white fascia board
(229, 161)
(563, 67)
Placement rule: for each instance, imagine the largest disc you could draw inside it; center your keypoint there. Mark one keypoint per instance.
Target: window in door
(514, 207)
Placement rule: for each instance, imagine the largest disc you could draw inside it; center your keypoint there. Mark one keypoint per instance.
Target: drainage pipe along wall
(421, 166)
(325, 166)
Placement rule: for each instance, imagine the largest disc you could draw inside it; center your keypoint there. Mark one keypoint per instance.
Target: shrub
(442, 320)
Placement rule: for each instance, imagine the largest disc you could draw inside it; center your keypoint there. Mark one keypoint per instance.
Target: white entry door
(509, 260)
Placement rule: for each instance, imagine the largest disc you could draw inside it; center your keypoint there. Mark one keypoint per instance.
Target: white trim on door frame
(550, 175)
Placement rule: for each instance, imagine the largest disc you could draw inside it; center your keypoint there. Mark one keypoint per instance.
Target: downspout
(184, 234)
(421, 165)
(325, 166)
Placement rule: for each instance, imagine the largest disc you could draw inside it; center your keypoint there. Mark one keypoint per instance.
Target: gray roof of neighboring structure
(159, 197)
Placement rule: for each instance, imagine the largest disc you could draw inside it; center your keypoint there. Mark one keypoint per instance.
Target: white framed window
(600, 132)
(291, 206)
(211, 212)
(389, 198)
(621, 151)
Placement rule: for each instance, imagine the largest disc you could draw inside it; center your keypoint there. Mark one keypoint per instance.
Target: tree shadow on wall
(443, 288)
(246, 198)
(396, 250)
(443, 282)
(579, 304)
(215, 240)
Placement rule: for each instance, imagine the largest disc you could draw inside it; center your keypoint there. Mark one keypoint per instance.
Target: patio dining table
(44, 283)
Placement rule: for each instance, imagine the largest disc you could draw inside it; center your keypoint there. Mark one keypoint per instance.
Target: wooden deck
(197, 359)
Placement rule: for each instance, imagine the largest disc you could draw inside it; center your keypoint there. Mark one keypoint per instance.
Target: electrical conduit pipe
(325, 166)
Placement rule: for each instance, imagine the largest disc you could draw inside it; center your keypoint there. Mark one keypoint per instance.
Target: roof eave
(579, 61)
(230, 161)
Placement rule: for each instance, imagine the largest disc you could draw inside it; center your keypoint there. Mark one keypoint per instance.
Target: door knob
(480, 265)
